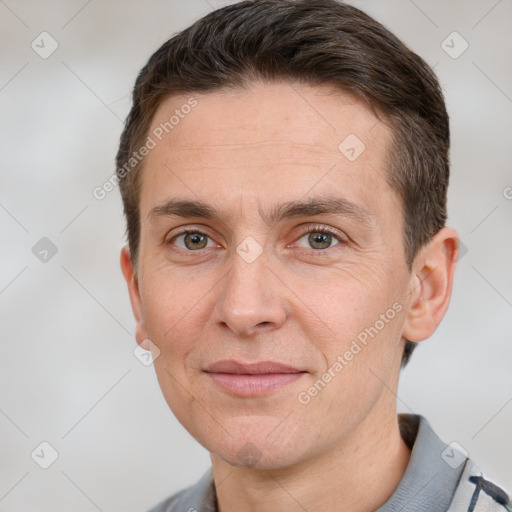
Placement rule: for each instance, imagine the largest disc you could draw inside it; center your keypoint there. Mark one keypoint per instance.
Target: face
(278, 315)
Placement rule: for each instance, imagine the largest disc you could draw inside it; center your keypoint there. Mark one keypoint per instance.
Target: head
(305, 149)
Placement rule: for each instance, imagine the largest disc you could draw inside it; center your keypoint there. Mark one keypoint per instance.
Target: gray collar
(428, 484)
(429, 481)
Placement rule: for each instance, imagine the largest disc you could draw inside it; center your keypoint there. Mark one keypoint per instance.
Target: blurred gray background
(68, 373)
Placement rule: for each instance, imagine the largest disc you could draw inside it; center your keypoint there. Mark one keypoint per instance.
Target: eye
(319, 239)
(192, 240)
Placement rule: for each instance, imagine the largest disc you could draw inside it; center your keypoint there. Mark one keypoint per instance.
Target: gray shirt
(428, 485)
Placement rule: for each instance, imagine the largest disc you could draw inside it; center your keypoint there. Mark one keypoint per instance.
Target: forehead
(276, 141)
(319, 115)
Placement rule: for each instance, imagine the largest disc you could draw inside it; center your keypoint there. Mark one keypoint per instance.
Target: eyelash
(186, 231)
(320, 253)
(311, 229)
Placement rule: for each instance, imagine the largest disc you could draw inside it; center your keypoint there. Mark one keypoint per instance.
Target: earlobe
(131, 279)
(433, 272)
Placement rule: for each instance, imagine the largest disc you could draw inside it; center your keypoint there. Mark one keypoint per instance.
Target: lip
(260, 368)
(252, 379)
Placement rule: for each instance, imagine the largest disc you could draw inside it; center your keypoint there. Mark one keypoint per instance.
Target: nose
(251, 298)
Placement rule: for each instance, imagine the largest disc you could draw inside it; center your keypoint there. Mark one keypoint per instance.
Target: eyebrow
(290, 209)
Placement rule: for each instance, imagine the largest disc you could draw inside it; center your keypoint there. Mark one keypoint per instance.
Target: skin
(244, 153)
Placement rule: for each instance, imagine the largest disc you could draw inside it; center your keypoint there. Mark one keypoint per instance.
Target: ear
(431, 285)
(141, 334)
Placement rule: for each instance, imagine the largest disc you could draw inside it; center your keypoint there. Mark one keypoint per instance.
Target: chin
(257, 444)
(251, 457)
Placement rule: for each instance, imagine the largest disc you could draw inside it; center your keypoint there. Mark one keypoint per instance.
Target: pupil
(320, 240)
(197, 241)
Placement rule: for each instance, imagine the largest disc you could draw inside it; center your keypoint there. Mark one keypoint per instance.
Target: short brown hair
(312, 42)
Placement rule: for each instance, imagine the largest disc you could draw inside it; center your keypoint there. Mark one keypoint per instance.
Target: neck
(358, 475)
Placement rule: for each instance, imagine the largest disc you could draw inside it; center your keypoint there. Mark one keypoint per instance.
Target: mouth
(252, 379)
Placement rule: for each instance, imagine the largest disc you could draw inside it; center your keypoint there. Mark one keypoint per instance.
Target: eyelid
(339, 235)
(322, 228)
(169, 238)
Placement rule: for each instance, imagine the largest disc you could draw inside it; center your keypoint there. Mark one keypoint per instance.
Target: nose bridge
(249, 299)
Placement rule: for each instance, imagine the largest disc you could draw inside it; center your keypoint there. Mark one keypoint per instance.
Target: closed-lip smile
(252, 379)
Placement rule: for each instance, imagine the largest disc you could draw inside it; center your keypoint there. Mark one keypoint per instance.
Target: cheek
(355, 327)
(359, 364)
(172, 302)
(174, 316)
(175, 313)
(341, 304)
